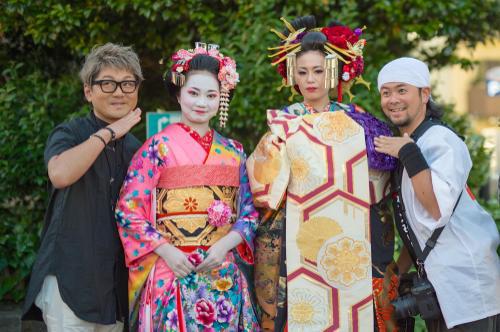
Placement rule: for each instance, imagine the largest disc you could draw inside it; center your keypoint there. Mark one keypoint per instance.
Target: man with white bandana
(463, 266)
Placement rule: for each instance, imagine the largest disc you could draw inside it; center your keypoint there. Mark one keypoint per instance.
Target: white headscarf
(405, 70)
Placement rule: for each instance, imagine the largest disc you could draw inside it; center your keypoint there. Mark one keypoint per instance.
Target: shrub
(30, 105)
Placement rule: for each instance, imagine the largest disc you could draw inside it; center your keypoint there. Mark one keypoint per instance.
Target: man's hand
(175, 259)
(122, 127)
(391, 145)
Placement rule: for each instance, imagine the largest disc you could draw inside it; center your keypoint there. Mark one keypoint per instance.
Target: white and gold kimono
(318, 164)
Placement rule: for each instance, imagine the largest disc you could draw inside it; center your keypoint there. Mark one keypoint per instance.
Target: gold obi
(181, 214)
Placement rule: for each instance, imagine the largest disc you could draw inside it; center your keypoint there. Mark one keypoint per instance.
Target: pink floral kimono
(173, 183)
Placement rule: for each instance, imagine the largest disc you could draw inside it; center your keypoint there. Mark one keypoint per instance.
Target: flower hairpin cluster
(343, 40)
(227, 76)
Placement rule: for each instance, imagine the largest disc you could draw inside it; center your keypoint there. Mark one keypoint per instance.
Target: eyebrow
(315, 67)
(196, 89)
(128, 77)
(397, 86)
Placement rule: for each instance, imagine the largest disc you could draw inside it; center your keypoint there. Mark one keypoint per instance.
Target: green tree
(50, 39)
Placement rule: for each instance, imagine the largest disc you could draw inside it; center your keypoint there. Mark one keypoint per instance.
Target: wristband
(412, 159)
(113, 134)
(99, 137)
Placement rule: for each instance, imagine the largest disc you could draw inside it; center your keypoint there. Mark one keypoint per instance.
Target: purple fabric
(374, 127)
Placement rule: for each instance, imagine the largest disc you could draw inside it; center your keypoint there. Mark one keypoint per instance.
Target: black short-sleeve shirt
(80, 243)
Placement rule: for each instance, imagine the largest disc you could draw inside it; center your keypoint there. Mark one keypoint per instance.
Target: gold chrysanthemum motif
(313, 233)
(336, 126)
(193, 199)
(346, 261)
(302, 312)
(307, 310)
(299, 168)
(305, 174)
(267, 160)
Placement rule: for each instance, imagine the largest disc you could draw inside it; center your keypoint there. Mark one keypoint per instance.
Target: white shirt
(463, 267)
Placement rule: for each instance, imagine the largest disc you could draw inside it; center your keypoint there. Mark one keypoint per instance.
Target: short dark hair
(432, 110)
(110, 55)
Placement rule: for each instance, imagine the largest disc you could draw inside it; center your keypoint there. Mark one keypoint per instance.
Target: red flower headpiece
(342, 42)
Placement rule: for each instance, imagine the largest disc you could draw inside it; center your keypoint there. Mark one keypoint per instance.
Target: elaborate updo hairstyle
(341, 46)
(312, 40)
(199, 63)
(204, 57)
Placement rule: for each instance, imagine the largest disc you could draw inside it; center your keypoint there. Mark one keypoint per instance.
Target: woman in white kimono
(316, 171)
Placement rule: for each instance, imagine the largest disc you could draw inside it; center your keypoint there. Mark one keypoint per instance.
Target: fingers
(133, 117)
(204, 266)
(381, 144)
(182, 269)
(123, 126)
(135, 113)
(177, 261)
(209, 263)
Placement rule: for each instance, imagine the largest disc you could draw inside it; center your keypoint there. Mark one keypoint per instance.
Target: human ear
(87, 92)
(426, 93)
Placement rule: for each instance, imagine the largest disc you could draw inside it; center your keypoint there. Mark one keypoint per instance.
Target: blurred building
(476, 92)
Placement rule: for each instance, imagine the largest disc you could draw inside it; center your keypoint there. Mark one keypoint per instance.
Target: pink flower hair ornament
(227, 76)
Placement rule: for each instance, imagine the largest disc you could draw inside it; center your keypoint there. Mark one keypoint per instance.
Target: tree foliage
(50, 38)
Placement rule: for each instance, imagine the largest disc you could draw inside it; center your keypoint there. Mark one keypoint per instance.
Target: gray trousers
(488, 324)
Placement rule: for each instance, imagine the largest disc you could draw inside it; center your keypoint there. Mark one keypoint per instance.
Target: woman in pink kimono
(185, 213)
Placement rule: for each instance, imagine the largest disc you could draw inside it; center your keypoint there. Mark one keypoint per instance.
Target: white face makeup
(199, 99)
(310, 77)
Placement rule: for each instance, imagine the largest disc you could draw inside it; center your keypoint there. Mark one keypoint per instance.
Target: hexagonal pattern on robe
(307, 177)
(352, 207)
(309, 299)
(361, 308)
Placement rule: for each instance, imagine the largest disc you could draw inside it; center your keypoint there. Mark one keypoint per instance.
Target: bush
(30, 105)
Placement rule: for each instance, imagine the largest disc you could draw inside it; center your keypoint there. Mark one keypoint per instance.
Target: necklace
(309, 108)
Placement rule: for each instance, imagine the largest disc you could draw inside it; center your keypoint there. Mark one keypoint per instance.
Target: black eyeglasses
(110, 86)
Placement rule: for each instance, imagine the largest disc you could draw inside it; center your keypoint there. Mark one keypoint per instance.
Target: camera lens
(405, 306)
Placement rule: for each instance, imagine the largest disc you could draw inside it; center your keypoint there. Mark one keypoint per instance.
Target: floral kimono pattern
(171, 185)
(317, 176)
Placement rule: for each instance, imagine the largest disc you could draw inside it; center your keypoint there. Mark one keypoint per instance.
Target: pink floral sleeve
(135, 211)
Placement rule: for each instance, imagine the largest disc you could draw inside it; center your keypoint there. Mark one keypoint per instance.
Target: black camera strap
(407, 235)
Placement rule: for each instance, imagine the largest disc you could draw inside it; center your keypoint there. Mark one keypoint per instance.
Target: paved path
(10, 320)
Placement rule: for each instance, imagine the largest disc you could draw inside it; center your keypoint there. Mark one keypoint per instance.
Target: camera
(417, 297)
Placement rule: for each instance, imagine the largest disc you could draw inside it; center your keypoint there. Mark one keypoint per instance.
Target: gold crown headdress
(341, 43)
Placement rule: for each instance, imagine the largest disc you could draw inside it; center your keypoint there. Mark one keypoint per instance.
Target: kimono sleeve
(135, 211)
(269, 171)
(247, 222)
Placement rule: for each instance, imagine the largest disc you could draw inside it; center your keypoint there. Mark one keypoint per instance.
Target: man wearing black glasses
(79, 279)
